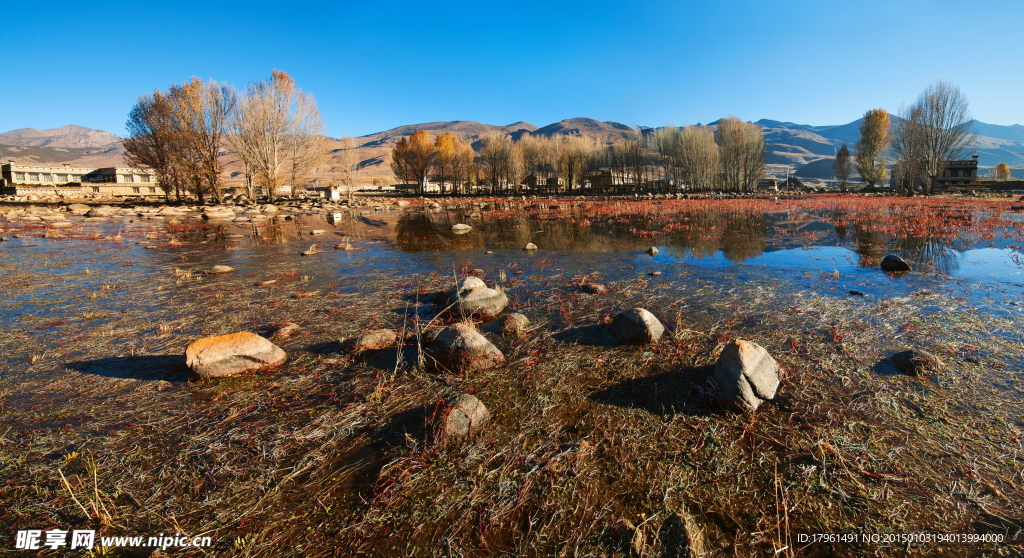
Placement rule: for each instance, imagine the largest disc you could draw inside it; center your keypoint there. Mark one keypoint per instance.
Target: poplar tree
(870, 148)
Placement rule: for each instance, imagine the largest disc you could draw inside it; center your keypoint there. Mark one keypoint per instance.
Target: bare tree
(742, 153)
(277, 131)
(504, 162)
(149, 142)
(699, 157)
(462, 165)
(870, 148)
(573, 157)
(932, 131)
(841, 167)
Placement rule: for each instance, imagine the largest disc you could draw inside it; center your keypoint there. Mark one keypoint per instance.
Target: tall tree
(841, 168)
(412, 158)
(742, 153)
(179, 134)
(504, 162)
(1001, 172)
(277, 131)
(447, 148)
(462, 165)
(573, 157)
(699, 157)
(932, 131)
(870, 148)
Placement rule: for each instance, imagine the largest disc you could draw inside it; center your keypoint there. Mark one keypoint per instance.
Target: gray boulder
(461, 348)
(637, 325)
(474, 298)
(893, 262)
(745, 375)
(235, 353)
(459, 416)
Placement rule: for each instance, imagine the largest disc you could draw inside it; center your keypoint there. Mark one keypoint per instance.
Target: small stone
(345, 246)
(375, 340)
(305, 294)
(317, 232)
(267, 282)
(461, 348)
(461, 228)
(653, 251)
(515, 325)
(856, 293)
(285, 331)
(489, 252)
(221, 269)
(637, 325)
(225, 355)
(895, 263)
(530, 246)
(917, 362)
(654, 273)
(312, 250)
(458, 417)
(746, 375)
(593, 288)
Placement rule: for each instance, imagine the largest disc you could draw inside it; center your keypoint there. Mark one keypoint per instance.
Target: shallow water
(59, 290)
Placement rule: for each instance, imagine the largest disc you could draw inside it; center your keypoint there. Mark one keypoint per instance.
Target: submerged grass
(593, 449)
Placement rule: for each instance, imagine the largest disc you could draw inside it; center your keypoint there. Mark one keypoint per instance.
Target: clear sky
(377, 65)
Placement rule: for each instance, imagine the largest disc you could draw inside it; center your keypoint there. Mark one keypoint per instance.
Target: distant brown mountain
(65, 136)
(789, 146)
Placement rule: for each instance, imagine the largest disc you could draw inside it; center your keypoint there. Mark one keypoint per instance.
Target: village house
(66, 180)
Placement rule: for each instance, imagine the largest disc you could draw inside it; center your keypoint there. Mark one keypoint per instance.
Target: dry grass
(594, 449)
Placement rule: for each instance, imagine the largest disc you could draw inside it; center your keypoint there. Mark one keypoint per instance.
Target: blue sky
(374, 66)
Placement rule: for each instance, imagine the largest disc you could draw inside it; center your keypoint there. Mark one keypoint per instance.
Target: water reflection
(929, 239)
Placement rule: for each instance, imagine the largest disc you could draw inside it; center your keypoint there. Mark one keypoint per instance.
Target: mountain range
(805, 150)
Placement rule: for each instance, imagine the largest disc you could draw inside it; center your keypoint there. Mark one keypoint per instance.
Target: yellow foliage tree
(874, 140)
(1001, 172)
(412, 158)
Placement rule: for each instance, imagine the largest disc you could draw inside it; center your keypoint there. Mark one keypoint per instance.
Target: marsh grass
(593, 449)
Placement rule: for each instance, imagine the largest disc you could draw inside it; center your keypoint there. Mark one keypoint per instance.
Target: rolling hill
(804, 148)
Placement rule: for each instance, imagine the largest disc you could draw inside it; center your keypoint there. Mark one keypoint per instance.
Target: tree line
(729, 157)
(181, 133)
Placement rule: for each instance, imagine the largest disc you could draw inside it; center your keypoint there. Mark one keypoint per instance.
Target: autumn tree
(463, 165)
(932, 131)
(413, 157)
(841, 167)
(1001, 172)
(179, 133)
(742, 153)
(277, 132)
(870, 148)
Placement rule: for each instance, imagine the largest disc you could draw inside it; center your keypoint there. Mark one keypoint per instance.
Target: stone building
(66, 180)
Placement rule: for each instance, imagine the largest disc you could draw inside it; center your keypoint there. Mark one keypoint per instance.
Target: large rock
(745, 375)
(893, 262)
(225, 355)
(474, 298)
(459, 416)
(917, 362)
(637, 325)
(375, 340)
(461, 348)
